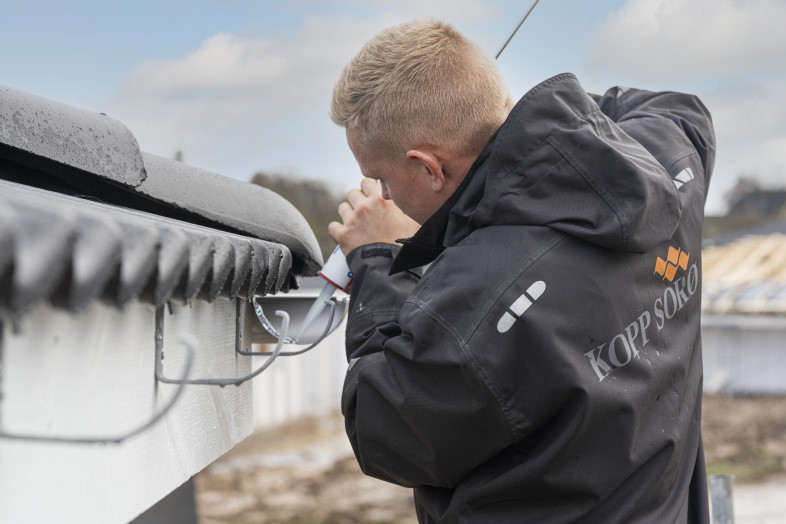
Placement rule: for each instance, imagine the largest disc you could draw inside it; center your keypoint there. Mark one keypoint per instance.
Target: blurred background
(242, 88)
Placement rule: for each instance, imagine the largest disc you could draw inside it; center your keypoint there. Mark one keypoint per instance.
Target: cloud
(315, 53)
(749, 110)
(239, 99)
(730, 53)
(284, 64)
(223, 60)
(241, 102)
(689, 39)
(748, 117)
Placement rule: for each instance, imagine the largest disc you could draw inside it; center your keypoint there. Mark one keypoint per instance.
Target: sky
(241, 86)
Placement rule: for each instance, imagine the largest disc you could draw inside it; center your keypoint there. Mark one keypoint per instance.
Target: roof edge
(77, 138)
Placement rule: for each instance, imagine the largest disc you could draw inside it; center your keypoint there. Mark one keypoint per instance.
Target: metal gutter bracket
(297, 305)
(159, 358)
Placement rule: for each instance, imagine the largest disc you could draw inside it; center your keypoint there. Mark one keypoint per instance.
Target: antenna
(516, 30)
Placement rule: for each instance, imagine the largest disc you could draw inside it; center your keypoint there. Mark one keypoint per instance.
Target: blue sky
(241, 86)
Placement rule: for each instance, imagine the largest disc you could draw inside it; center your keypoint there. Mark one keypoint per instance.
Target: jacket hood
(558, 161)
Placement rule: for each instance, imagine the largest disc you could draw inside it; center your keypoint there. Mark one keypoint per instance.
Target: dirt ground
(745, 436)
(305, 473)
(302, 473)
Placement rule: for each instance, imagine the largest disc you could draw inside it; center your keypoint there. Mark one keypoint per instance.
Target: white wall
(302, 385)
(744, 355)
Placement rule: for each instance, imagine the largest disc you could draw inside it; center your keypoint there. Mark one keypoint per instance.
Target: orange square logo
(675, 259)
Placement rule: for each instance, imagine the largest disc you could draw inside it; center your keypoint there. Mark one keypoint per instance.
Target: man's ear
(433, 166)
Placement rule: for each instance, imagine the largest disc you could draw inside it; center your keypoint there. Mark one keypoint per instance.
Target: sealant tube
(336, 271)
(338, 276)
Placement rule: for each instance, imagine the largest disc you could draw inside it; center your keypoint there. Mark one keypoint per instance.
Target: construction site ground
(305, 473)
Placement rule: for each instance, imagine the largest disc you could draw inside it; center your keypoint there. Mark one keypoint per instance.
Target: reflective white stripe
(506, 322)
(520, 305)
(684, 176)
(536, 289)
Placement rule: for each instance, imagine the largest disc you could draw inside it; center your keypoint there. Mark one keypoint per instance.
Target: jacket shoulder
(465, 282)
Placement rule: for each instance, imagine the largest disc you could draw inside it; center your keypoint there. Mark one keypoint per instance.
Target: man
(547, 365)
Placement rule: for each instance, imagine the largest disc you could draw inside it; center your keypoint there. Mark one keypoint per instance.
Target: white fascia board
(92, 373)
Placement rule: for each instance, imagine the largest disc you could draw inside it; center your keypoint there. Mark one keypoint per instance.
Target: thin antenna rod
(516, 30)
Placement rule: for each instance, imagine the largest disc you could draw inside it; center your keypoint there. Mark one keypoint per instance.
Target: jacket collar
(434, 235)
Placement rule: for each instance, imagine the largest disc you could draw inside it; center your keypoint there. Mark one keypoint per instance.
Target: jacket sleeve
(416, 411)
(375, 298)
(642, 114)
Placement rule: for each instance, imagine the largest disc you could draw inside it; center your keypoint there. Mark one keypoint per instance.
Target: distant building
(759, 202)
(744, 303)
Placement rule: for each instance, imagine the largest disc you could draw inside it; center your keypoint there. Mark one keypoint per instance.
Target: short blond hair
(421, 83)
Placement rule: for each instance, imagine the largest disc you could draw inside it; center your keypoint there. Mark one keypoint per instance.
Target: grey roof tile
(71, 251)
(284, 263)
(73, 137)
(200, 263)
(242, 206)
(172, 263)
(6, 239)
(223, 258)
(145, 228)
(264, 272)
(242, 269)
(138, 262)
(71, 150)
(96, 258)
(43, 246)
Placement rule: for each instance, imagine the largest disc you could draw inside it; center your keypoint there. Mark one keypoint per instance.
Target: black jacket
(547, 366)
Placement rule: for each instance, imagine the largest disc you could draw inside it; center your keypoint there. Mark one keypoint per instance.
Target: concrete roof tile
(91, 142)
(96, 258)
(242, 206)
(223, 258)
(43, 247)
(85, 215)
(138, 262)
(71, 251)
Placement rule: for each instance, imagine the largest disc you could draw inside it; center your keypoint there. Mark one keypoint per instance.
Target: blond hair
(421, 83)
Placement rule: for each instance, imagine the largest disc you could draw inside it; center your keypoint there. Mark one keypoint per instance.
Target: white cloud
(684, 39)
(240, 102)
(751, 138)
(223, 60)
(730, 52)
(282, 64)
(749, 110)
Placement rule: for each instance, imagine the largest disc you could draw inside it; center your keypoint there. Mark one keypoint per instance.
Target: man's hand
(368, 218)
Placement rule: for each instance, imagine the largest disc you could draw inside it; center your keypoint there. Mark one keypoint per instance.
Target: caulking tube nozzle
(338, 276)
